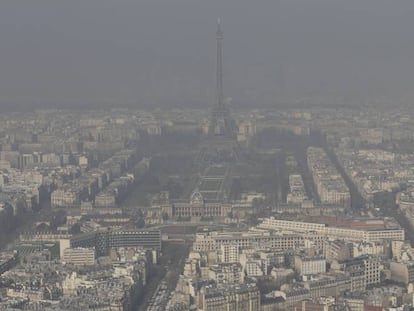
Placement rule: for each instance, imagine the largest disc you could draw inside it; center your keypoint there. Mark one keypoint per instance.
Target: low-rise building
(309, 265)
(79, 256)
(402, 272)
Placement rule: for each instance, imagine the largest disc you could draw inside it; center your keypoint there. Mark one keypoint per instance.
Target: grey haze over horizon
(163, 51)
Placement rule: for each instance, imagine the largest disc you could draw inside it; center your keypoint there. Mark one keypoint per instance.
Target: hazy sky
(163, 51)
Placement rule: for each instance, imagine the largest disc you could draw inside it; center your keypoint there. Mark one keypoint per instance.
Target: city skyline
(146, 167)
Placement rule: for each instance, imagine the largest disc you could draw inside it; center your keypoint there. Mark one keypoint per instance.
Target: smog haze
(161, 52)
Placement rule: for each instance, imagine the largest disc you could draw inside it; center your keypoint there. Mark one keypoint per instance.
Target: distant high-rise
(221, 123)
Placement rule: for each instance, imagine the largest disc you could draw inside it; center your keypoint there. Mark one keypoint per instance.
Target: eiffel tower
(219, 150)
(220, 145)
(221, 123)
